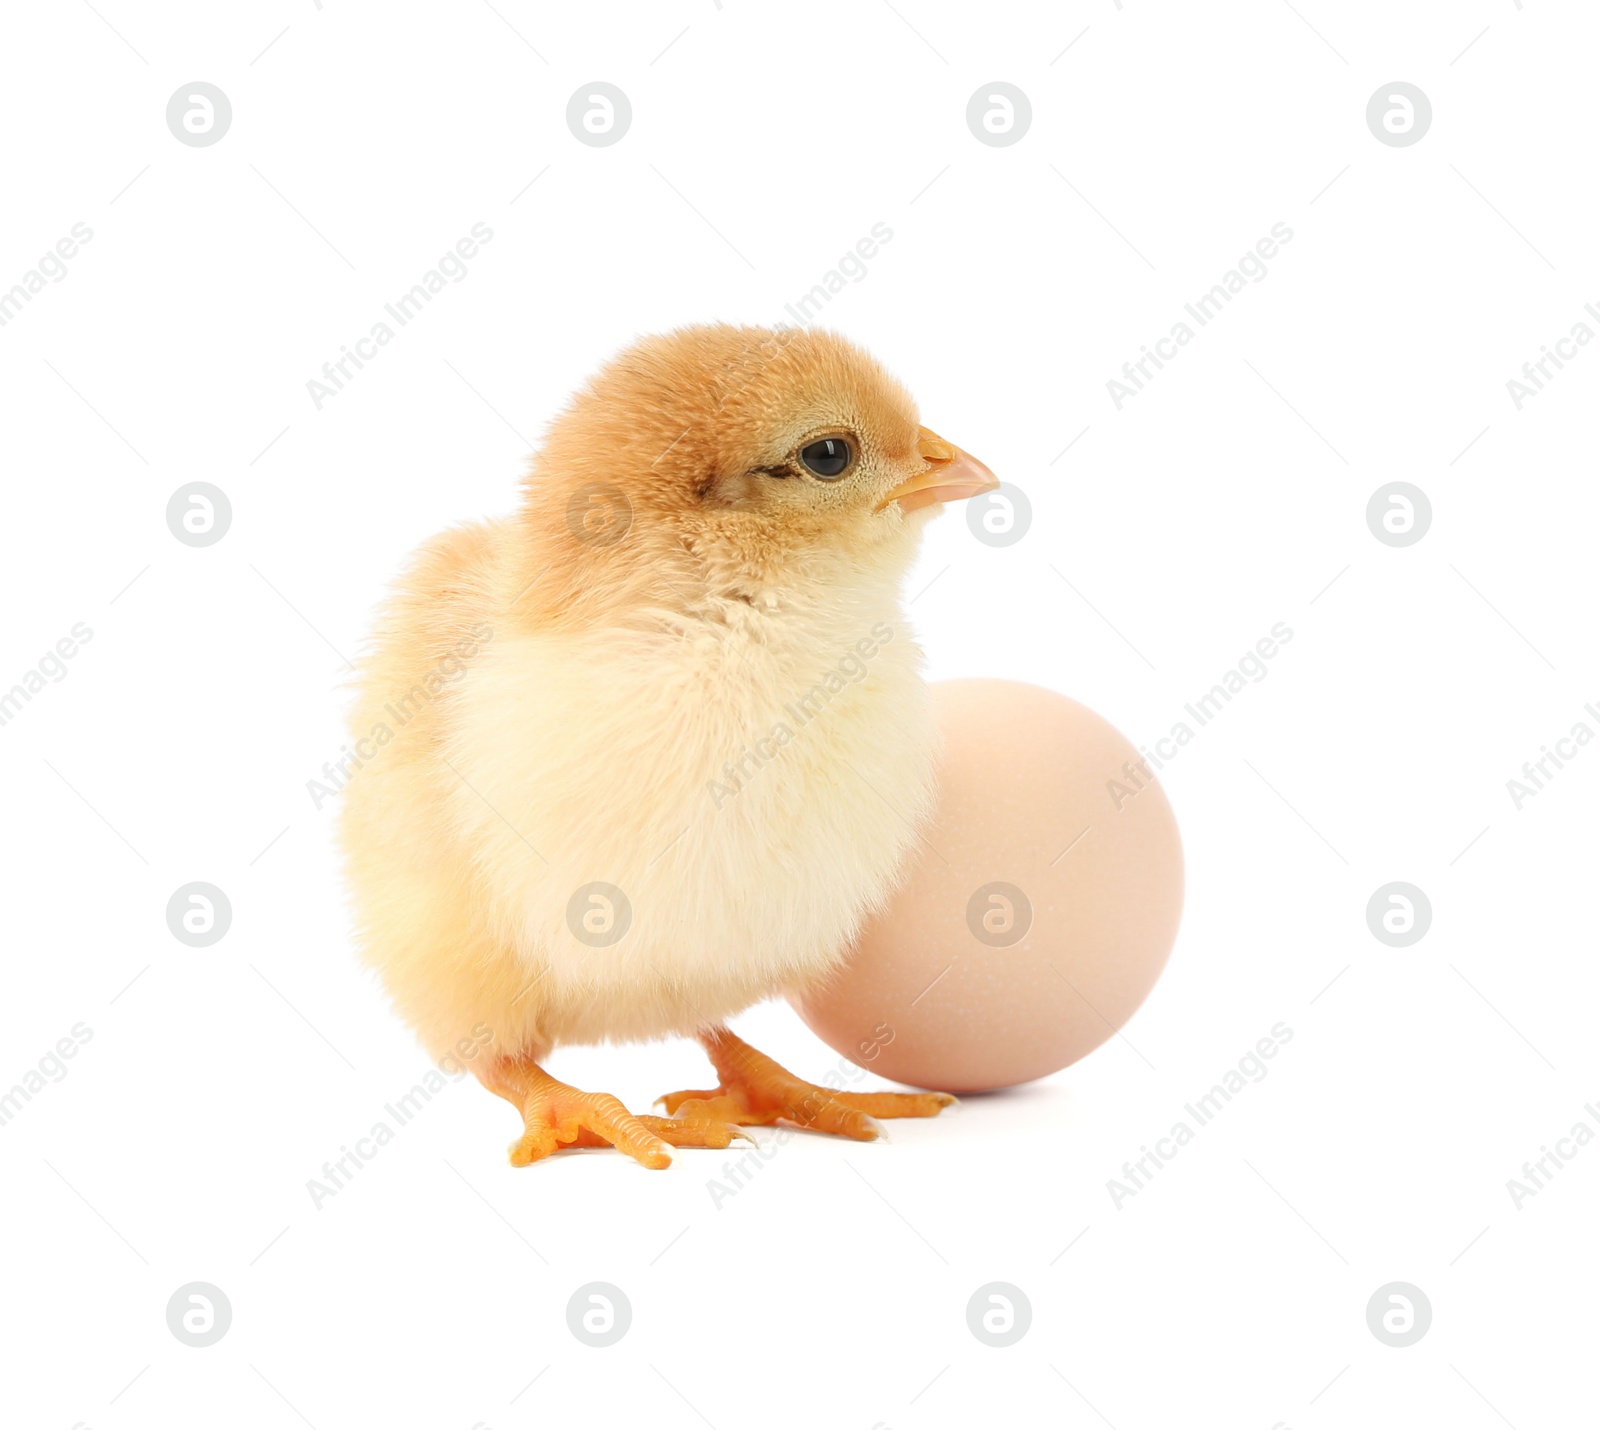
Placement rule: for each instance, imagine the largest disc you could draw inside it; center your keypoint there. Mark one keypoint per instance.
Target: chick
(659, 742)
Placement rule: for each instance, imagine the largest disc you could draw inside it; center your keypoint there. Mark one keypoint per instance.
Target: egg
(1037, 911)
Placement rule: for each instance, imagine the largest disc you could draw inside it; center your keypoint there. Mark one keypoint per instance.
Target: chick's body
(748, 776)
(681, 672)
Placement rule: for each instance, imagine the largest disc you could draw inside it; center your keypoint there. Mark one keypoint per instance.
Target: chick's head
(740, 461)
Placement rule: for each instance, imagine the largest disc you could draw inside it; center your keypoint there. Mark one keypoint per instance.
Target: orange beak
(952, 475)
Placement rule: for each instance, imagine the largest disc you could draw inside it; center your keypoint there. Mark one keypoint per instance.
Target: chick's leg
(555, 1116)
(754, 1090)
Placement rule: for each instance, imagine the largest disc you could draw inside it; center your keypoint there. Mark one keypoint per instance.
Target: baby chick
(658, 743)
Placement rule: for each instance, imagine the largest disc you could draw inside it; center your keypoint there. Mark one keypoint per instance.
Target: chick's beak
(951, 475)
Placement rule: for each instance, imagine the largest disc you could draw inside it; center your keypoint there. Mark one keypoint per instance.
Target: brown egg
(1038, 911)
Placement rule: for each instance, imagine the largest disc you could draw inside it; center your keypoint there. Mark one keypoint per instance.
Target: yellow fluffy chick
(651, 749)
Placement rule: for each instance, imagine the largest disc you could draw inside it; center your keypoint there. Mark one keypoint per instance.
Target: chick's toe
(556, 1115)
(757, 1091)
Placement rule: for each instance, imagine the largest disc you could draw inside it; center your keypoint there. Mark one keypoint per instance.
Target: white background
(1229, 495)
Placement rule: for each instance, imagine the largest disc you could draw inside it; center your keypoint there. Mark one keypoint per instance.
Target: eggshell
(1038, 909)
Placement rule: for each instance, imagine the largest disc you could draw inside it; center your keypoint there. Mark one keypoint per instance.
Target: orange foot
(755, 1091)
(556, 1116)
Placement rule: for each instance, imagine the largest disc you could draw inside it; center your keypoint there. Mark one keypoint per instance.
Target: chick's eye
(826, 458)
